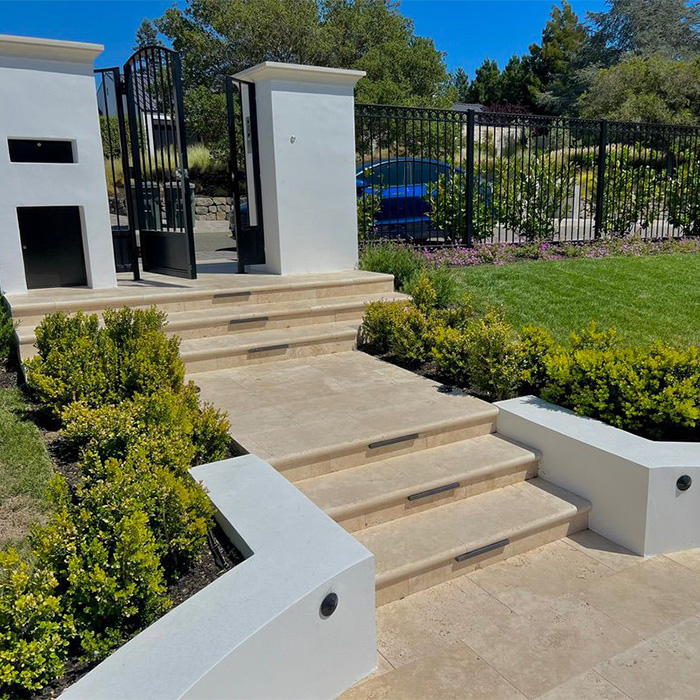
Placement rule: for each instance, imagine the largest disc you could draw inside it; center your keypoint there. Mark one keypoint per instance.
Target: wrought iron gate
(115, 145)
(163, 195)
(244, 166)
(145, 146)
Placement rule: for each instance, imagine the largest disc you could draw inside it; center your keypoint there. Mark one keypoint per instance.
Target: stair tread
(423, 540)
(224, 313)
(46, 301)
(345, 492)
(240, 311)
(239, 342)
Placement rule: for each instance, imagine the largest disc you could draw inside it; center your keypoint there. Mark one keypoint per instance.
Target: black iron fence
(448, 176)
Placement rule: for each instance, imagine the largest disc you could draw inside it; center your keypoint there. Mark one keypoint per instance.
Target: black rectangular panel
(36, 151)
(52, 246)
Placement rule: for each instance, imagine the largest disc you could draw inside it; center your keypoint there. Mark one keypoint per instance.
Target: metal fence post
(469, 213)
(600, 182)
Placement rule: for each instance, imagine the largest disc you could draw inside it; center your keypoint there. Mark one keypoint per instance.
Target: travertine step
(374, 493)
(244, 318)
(415, 553)
(420, 428)
(30, 308)
(236, 350)
(288, 314)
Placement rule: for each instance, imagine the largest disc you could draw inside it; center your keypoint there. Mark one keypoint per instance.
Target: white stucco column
(306, 133)
(47, 93)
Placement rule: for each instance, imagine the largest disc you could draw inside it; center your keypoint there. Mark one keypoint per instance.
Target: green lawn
(645, 298)
(25, 468)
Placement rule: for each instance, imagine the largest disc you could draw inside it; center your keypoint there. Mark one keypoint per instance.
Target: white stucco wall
(306, 131)
(257, 631)
(630, 481)
(47, 91)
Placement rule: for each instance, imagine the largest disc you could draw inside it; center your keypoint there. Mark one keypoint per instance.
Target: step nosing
(481, 418)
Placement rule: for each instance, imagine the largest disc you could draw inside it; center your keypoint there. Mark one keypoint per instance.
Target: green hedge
(132, 520)
(651, 391)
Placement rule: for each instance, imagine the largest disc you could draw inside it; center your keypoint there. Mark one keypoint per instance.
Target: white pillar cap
(294, 72)
(49, 49)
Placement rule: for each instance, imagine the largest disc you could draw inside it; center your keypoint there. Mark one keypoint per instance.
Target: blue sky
(467, 30)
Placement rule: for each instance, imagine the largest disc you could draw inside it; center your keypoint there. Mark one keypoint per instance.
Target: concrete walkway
(577, 618)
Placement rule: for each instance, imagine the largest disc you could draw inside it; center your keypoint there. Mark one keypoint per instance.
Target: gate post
(306, 136)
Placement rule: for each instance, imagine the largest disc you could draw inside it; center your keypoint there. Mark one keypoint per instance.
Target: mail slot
(39, 151)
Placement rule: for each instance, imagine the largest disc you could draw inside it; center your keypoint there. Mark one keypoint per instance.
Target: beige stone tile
(587, 686)
(649, 597)
(541, 651)
(427, 621)
(605, 551)
(526, 581)
(690, 558)
(665, 666)
(455, 673)
(265, 418)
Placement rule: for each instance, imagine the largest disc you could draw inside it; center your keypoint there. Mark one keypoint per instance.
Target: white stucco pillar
(47, 94)
(306, 133)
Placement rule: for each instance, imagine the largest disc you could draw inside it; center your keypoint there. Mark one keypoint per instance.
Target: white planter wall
(630, 481)
(257, 631)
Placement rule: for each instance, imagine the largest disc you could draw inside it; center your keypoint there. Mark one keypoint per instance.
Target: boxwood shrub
(651, 391)
(132, 520)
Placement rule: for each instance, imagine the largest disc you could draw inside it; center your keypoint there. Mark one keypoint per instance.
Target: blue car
(403, 184)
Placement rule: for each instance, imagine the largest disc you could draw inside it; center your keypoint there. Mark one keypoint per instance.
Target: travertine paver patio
(577, 618)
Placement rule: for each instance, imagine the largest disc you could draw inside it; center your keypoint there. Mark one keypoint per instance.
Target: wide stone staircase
(413, 469)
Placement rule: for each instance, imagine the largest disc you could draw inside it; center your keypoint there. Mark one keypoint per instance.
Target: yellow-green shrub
(34, 630)
(106, 566)
(78, 360)
(409, 342)
(483, 356)
(377, 324)
(423, 292)
(178, 432)
(653, 391)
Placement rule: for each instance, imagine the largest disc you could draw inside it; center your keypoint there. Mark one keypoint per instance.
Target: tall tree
(554, 61)
(669, 28)
(218, 38)
(649, 89)
(460, 81)
(146, 35)
(486, 87)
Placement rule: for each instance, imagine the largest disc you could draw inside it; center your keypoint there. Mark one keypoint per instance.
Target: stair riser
(450, 569)
(352, 456)
(214, 299)
(243, 359)
(402, 508)
(272, 323)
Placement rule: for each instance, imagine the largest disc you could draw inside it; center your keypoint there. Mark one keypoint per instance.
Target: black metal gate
(163, 196)
(115, 145)
(244, 166)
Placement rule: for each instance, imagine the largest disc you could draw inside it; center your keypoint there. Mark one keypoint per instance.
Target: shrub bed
(130, 521)
(651, 391)
(404, 261)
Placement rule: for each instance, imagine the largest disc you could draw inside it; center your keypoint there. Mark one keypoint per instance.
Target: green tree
(218, 38)
(653, 89)
(146, 35)
(516, 83)
(460, 82)
(486, 87)
(670, 28)
(553, 62)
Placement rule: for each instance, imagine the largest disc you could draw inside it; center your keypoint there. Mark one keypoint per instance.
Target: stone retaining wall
(212, 208)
